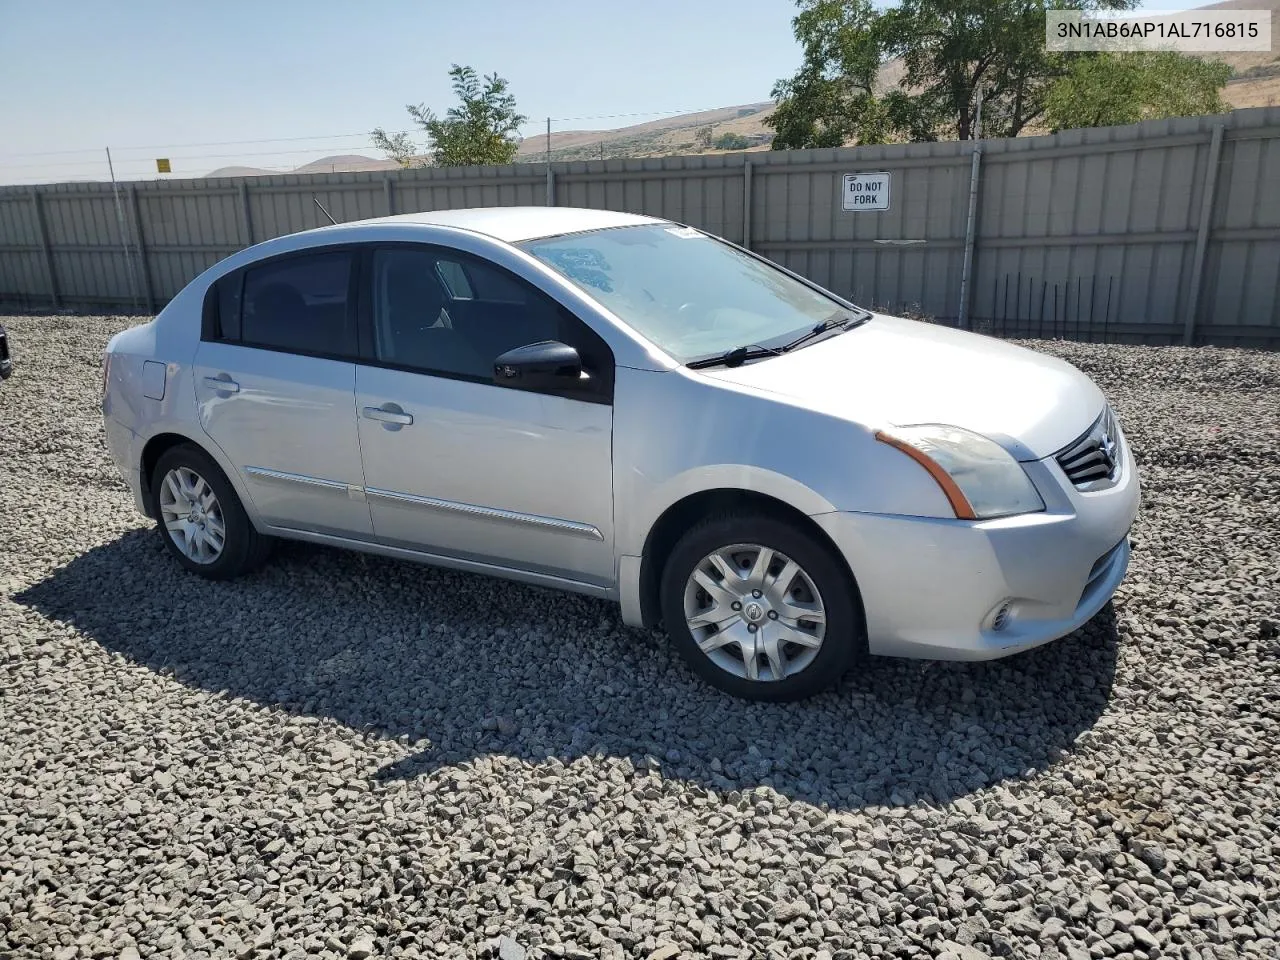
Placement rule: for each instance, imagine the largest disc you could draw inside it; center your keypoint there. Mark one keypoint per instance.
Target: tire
(695, 584)
(183, 478)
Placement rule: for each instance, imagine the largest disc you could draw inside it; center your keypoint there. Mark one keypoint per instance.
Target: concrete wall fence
(1162, 232)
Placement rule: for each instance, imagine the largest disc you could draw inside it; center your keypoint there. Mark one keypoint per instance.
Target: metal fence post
(389, 192)
(246, 213)
(746, 204)
(147, 289)
(1202, 234)
(44, 246)
(970, 237)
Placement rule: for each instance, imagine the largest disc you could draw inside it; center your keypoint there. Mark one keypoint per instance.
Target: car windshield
(692, 295)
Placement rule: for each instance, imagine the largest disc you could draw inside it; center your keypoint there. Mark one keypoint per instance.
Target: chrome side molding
(571, 527)
(355, 492)
(279, 476)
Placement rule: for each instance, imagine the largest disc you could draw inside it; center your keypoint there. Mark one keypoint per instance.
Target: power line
(136, 167)
(336, 136)
(177, 156)
(649, 113)
(210, 143)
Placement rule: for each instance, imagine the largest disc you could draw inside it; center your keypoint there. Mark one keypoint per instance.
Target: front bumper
(932, 588)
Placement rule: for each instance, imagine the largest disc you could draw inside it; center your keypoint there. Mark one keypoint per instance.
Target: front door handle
(389, 414)
(223, 383)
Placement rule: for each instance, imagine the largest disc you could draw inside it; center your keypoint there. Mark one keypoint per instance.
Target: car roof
(514, 224)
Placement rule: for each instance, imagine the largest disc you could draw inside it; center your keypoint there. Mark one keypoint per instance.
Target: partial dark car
(6, 362)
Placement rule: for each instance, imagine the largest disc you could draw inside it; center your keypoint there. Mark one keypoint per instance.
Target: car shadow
(472, 665)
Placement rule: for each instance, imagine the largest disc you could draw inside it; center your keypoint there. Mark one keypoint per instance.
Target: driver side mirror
(547, 365)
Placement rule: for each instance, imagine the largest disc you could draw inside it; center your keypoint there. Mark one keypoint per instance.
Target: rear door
(275, 387)
(458, 465)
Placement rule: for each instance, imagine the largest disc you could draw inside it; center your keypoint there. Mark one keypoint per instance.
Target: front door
(459, 466)
(275, 387)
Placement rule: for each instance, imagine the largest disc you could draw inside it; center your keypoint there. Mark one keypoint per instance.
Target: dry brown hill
(342, 163)
(669, 135)
(1257, 80)
(1257, 83)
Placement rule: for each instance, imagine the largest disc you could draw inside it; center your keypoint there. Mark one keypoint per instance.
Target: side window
(498, 286)
(443, 312)
(298, 304)
(454, 279)
(413, 314)
(229, 290)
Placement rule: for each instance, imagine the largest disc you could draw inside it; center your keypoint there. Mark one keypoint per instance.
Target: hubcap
(191, 514)
(754, 612)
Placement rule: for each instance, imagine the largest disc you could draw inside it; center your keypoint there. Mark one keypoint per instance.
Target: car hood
(893, 371)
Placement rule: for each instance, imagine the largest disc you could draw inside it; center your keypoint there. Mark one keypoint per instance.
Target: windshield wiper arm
(735, 357)
(838, 322)
(753, 351)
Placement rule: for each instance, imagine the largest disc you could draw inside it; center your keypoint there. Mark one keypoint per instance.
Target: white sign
(865, 191)
(1188, 31)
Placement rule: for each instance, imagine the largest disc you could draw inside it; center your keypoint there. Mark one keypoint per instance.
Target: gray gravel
(351, 757)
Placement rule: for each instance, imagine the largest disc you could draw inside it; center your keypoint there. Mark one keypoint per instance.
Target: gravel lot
(352, 757)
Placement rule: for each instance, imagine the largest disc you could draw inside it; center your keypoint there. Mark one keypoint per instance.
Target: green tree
(703, 137)
(832, 97)
(947, 50)
(1110, 89)
(731, 141)
(481, 129)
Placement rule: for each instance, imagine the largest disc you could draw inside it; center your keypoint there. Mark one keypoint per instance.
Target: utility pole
(551, 186)
(970, 231)
(124, 241)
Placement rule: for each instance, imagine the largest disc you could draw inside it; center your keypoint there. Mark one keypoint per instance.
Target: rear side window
(298, 304)
(229, 290)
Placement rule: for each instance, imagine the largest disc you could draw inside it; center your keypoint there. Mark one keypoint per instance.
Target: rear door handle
(223, 383)
(388, 413)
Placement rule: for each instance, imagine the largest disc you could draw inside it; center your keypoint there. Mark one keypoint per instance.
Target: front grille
(1093, 461)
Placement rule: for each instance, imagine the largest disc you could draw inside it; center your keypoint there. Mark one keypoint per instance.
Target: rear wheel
(200, 518)
(760, 609)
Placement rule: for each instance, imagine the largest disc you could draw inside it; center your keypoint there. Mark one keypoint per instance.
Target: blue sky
(149, 78)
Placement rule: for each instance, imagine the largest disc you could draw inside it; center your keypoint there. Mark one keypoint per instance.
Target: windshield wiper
(753, 351)
(840, 322)
(735, 357)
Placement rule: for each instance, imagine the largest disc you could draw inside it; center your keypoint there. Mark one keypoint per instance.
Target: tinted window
(437, 311)
(299, 304)
(229, 289)
(454, 279)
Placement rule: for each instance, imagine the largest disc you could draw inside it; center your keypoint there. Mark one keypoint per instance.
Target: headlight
(979, 477)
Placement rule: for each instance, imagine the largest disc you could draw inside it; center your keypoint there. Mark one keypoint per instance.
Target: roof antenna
(316, 201)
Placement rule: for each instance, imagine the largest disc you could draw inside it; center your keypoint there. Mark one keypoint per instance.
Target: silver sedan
(635, 410)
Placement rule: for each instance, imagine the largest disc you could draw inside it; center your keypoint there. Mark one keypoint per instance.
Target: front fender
(677, 433)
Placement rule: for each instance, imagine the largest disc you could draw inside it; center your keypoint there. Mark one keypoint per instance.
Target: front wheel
(201, 520)
(760, 609)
